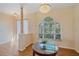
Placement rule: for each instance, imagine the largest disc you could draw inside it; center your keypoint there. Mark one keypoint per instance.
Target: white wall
(76, 26)
(8, 34)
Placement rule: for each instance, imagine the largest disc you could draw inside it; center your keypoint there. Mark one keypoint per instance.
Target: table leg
(33, 53)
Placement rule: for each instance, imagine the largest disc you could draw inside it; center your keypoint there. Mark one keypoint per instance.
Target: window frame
(54, 34)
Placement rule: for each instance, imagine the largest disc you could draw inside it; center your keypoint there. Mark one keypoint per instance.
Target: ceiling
(12, 8)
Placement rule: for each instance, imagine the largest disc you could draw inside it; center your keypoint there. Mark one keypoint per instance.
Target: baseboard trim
(66, 47)
(70, 48)
(77, 51)
(25, 47)
(21, 49)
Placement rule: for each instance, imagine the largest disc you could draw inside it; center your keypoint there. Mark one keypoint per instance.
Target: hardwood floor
(5, 49)
(61, 52)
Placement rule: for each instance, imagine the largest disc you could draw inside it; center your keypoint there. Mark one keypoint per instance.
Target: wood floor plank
(61, 52)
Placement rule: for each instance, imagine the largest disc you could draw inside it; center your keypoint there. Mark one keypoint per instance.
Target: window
(49, 29)
(25, 27)
(18, 26)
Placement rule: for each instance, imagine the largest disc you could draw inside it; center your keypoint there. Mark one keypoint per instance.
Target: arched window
(49, 29)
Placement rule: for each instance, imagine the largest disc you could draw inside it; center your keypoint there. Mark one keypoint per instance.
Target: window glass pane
(57, 30)
(52, 35)
(18, 26)
(58, 36)
(41, 35)
(49, 36)
(25, 26)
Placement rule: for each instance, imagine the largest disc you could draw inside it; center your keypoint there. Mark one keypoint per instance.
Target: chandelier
(45, 8)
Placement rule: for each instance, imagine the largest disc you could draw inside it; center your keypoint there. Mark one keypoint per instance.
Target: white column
(22, 19)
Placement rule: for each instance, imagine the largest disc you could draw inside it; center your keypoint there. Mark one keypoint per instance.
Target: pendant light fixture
(45, 8)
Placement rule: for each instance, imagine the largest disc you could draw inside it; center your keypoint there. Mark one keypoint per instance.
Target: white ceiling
(12, 8)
